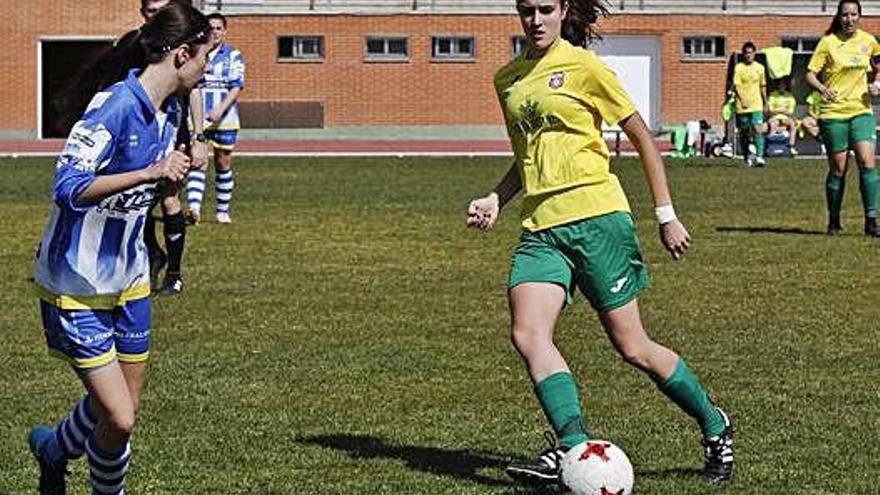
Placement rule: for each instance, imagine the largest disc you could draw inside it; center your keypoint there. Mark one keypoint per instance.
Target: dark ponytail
(837, 26)
(174, 25)
(578, 27)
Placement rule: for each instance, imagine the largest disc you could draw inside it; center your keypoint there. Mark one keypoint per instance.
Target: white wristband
(665, 214)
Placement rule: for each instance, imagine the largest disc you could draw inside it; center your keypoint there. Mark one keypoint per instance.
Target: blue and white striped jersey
(225, 71)
(93, 255)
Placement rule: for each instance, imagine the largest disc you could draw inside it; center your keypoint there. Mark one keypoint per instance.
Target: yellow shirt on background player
(843, 65)
(749, 81)
(781, 103)
(554, 107)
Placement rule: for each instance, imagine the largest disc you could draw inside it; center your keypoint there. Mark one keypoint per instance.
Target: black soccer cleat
(718, 452)
(173, 284)
(544, 469)
(871, 229)
(834, 227)
(52, 475)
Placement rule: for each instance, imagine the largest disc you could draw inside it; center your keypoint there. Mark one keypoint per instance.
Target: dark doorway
(61, 62)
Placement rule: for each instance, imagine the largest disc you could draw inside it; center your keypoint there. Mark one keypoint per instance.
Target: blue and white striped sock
(72, 432)
(195, 189)
(225, 185)
(107, 471)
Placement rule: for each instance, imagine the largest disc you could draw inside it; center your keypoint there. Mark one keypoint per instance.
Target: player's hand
(215, 116)
(173, 167)
(200, 155)
(874, 89)
(829, 94)
(675, 238)
(483, 213)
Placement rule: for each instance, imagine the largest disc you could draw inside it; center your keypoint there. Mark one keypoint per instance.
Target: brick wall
(419, 92)
(24, 23)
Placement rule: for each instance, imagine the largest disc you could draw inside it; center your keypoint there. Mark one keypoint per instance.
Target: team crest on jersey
(557, 79)
(864, 48)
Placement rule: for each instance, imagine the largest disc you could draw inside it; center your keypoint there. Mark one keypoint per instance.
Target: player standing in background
(750, 87)
(578, 230)
(174, 230)
(92, 268)
(839, 71)
(223, 83)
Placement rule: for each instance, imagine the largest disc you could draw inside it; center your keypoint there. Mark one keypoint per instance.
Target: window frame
(800, 40)
(301, 57)
(518, 43)
(703, 56)
(386, 56)
(455, 55)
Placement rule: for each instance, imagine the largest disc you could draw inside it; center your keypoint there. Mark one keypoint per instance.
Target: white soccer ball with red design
(597, 467)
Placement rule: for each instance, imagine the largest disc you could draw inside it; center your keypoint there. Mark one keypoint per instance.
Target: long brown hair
(174, 25)
(578, 27)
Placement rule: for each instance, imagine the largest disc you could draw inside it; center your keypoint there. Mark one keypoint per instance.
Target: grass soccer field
(348, 335)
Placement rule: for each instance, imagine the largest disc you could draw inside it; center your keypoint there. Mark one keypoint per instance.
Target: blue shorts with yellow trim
(223, 139)
(91, 338)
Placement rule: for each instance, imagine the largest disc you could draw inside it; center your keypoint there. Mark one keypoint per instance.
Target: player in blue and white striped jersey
(92, 268)
(220, 88)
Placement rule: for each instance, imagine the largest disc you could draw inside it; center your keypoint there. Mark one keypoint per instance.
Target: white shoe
(759, 161)
(223, 217)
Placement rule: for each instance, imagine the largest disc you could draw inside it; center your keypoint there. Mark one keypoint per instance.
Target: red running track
(324, 146)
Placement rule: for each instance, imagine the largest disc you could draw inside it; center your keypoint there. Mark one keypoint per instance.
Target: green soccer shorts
(599, 255)
(842, 134)
(749, 119)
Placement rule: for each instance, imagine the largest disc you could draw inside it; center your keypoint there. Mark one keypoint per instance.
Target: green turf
(348, 335)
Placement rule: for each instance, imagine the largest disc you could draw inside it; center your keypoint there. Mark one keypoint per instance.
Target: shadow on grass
(771, 230)
(462, 464)
(680, 473)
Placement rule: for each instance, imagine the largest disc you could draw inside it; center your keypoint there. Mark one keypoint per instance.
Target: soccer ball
(597, 467)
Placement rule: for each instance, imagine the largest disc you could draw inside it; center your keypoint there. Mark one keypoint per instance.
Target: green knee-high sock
(558, 395)
(834, 187)
(868, 187)
(759, 143)
(683, 388)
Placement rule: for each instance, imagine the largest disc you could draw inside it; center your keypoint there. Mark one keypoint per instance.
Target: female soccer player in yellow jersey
(578, 231)
(839, 71)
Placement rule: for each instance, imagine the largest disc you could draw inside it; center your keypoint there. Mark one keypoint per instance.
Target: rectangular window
(518, 44)
(300, 47)
(453, 47)
(801, 44)
(702, 47)
(387, 48)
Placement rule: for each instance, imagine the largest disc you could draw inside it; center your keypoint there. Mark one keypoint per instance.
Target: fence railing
(790, 7)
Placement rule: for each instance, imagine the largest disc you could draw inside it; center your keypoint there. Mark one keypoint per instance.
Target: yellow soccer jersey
(779, 102)
(842, 65)
(749, 82)
(554, 107)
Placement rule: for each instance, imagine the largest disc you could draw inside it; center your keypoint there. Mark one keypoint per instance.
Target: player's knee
(527, 339)
(121, 423)
(635, 354)
(171, 204)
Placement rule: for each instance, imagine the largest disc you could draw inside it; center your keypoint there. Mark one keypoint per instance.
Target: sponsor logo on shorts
(618, 286)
